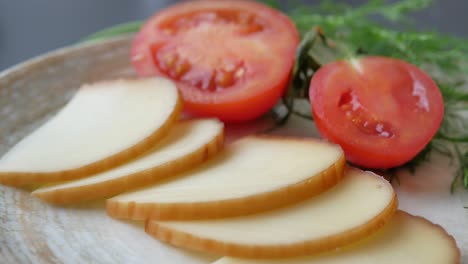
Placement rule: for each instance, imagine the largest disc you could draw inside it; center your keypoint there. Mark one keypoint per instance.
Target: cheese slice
(406, 239)
(188, 144)
(251, 175)
(104, 125)
(355, 208)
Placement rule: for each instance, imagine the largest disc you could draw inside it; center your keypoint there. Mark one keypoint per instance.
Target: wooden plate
(34, 232)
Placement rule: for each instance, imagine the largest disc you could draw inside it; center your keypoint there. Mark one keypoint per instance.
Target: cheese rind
(406, 239)
(356, 207)
(188, 144)
(104, 125)
(251, 175)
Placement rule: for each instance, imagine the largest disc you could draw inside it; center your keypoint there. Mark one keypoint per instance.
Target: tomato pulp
(229, 59)
(382, 111)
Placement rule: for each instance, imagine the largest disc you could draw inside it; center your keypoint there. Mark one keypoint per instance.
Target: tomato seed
(358, 115)
(170, 60)
(224, 78)
(181, 68)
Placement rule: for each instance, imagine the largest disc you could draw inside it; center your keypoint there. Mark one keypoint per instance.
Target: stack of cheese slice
(251, 175)
(276, 198)
(353, 222)
(105, 125)
(260, 197)
(111, 137)
(188, 144)
(360, 204)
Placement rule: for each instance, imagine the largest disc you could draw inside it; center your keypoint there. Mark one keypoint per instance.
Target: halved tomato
(382, 111)
(230, 59)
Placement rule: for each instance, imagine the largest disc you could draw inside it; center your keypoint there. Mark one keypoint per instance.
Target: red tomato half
(230, 59)
(381, 111)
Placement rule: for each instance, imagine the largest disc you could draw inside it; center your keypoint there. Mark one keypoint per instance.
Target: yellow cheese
(188, 144)
(104, 125)
(356, 207)
(406, 239)
(253, 174)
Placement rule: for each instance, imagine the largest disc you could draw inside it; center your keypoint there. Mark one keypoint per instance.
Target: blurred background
(29, 28)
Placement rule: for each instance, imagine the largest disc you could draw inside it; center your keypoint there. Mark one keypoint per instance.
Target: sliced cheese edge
(104, 125)
(188, 144)
(406, 239)
(355, 208)
(254, 174)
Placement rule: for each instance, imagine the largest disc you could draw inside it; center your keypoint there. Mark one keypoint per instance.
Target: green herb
(115, 31)
(340, 31)
(334, 31)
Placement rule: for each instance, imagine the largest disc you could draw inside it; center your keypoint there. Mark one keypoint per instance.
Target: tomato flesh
(382, 111)
(230, 59)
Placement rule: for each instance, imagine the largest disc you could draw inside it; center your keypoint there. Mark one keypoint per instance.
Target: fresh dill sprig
(445, 58)
(115, 31)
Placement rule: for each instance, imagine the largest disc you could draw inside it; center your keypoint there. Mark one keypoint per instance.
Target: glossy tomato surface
(382, 111)
(230, 59)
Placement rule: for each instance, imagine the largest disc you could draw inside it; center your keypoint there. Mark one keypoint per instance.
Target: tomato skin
(250, 108)
(381, 111)
(256, 40)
